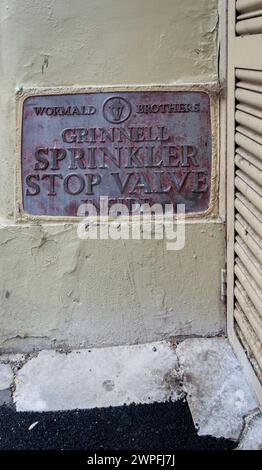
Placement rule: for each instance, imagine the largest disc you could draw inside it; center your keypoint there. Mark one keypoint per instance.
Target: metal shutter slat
(252, 14)
(249, 261)
(252, 98)
(254, 186)
(249, 145)
(243, 205)
(249, 169)
(246, 6)
(249, 110)
(250, 26)
(248, 308)
(251, 192)
(250, 159)
(249, 353)
(249, 76)
(246, 281)
(251, 239)
(249, 17)
(250, 87)
(255, 136)
(252, 339)
(249, 121)
(249, 213)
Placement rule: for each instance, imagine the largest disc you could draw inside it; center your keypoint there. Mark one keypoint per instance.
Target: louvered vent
(248, 216)
(249, 17)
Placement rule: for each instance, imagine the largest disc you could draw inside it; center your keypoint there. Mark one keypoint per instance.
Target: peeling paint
(45, 64)
(86, 293)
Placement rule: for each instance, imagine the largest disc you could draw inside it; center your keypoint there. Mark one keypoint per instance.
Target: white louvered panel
(247, 166)
(247, 285)
(249, 236)
(252, 193)
(248, 17)
(249, 353)
(249, 145)
(250, 312)
(249, 76)
(249, 213)
(248, 209)
(249, 261)
(248, 97)
(247, 6)
(248, 332)
(250, 121)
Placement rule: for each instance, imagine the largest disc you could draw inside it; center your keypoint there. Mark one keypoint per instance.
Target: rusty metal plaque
(133, 147)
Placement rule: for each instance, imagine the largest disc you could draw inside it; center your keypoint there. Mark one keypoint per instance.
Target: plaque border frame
(210, 88)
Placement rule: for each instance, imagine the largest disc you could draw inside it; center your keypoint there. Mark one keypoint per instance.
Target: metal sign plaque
(133, 147)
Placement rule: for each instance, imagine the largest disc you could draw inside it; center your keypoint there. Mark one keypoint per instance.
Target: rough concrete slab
(13, 357)
(6, 376)
(252, 436)
(5, 397)
(217, 392)
(97, 378)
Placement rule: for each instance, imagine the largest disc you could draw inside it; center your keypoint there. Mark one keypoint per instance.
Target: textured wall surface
(56, 289)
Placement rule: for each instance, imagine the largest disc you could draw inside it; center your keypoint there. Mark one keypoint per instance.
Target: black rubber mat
(158, 426)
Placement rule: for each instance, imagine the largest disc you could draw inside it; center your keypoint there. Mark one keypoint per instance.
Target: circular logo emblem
(116, 109)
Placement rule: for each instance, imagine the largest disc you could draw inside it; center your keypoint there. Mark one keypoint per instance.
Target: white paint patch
(97, 378)
(6, 376)
(33, 425)
(217, 392)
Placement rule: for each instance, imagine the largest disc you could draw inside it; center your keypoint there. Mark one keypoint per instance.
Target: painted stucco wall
(56, 289)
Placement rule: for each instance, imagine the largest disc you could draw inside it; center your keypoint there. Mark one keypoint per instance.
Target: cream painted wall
(56, 289)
